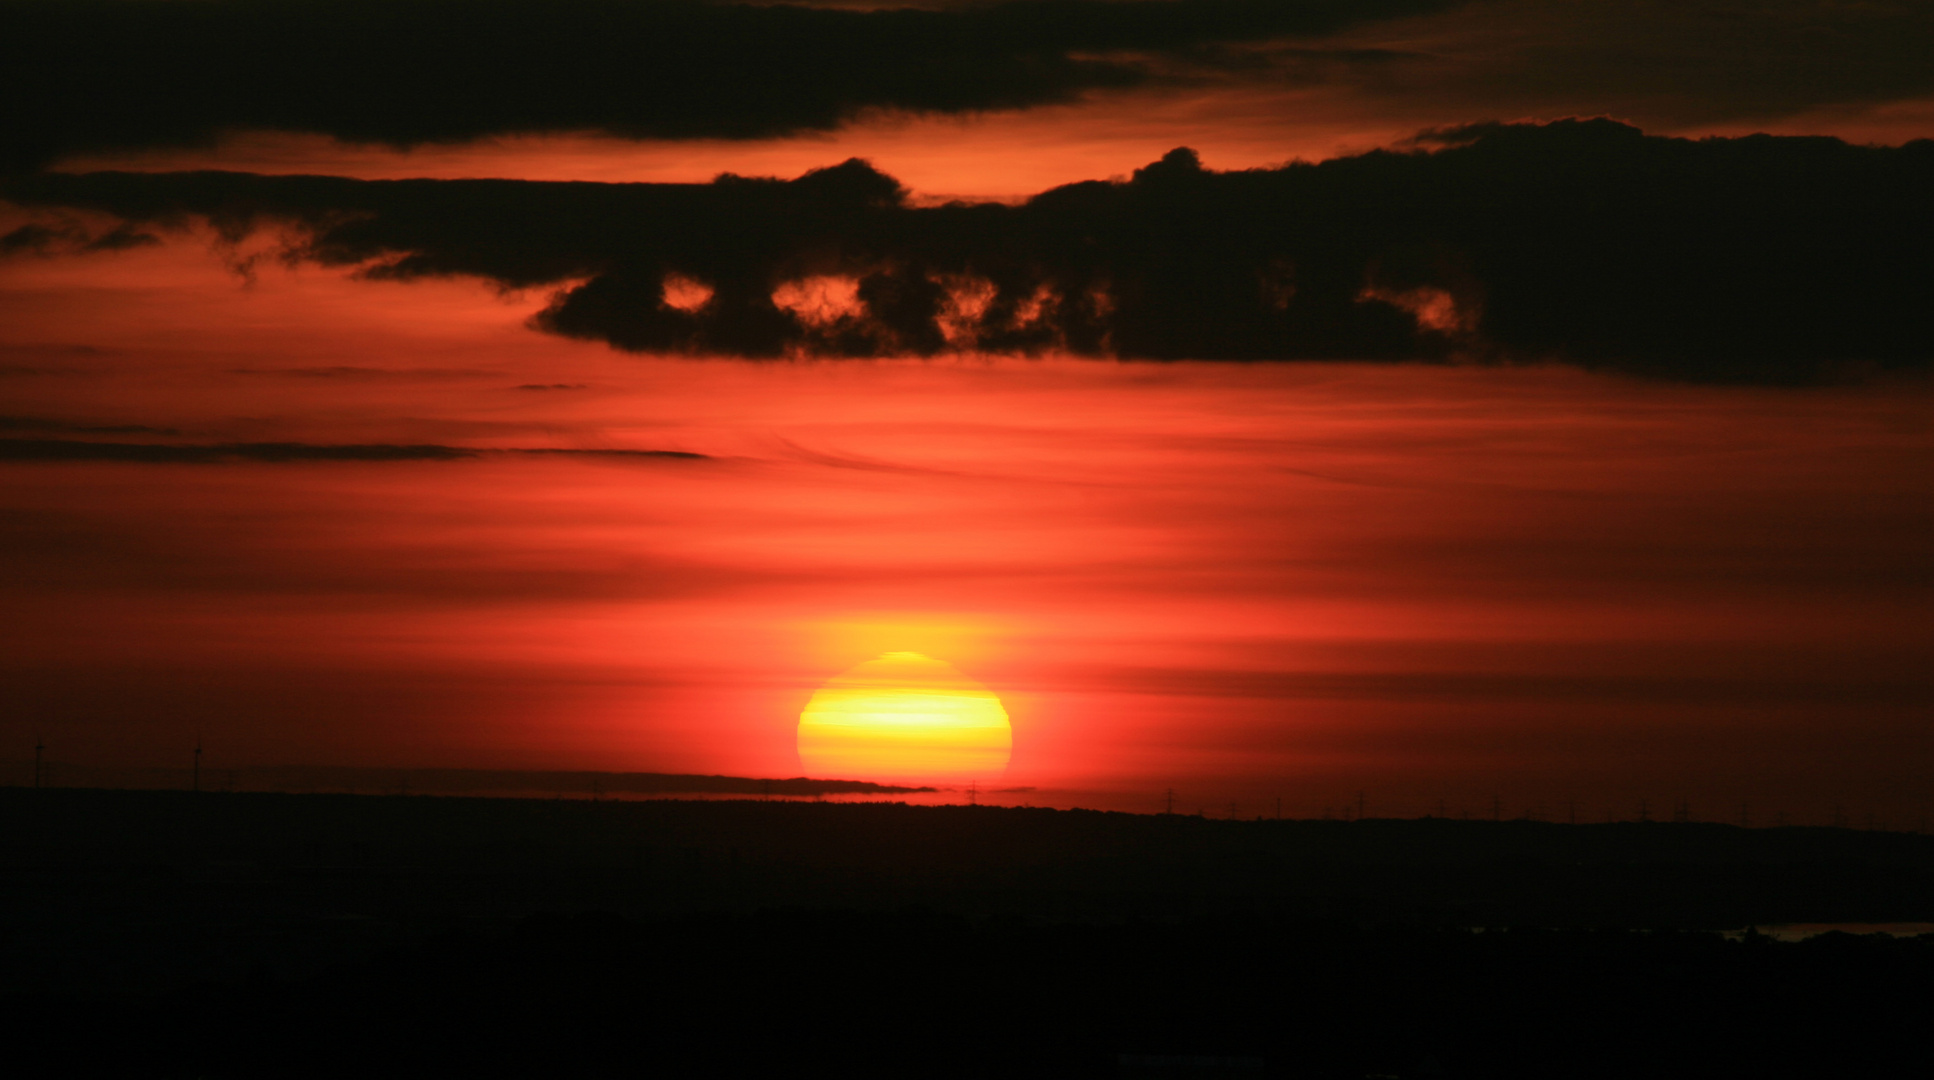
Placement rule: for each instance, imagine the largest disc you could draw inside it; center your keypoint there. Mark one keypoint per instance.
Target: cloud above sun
(104, 74)
(93, 76)
(1756, 259)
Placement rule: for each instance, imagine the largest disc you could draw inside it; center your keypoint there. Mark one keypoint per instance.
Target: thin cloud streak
(54, 450)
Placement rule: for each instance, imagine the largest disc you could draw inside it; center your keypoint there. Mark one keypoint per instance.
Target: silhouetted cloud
(218, 453)
(100, 74)
(67, 238)
(620, 454)
(353, 372)
(1753, 259)
(37, 423)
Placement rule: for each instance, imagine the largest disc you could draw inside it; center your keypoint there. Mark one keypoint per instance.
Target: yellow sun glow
(904, 716)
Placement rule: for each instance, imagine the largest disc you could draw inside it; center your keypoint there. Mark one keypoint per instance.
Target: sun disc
(904, 716)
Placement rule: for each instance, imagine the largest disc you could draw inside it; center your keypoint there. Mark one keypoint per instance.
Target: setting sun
(904, 716)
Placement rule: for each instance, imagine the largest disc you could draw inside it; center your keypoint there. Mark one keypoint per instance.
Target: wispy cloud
(51, 450)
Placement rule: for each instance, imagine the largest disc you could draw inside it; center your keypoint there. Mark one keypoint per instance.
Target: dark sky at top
(93, 75)
(1757, 260)
(81, 75)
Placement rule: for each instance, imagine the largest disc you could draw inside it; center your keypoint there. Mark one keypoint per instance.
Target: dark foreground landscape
(252, 934)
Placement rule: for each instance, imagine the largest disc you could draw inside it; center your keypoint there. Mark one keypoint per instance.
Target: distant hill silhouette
(246, 934)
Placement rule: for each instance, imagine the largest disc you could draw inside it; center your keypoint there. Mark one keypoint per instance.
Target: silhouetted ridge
(222, 935)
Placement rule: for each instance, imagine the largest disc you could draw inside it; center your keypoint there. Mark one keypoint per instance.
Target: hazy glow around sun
(904, 716)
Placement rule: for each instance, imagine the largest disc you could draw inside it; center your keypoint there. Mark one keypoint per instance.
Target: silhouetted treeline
(1760, 259)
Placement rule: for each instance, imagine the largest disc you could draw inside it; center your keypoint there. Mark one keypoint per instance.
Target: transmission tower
(194, 781)
(39, 747)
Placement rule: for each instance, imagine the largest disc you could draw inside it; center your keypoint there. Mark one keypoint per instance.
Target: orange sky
(1425, 582)
(1300, 580)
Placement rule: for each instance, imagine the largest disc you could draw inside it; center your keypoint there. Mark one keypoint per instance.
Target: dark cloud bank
(90, 75)
(1750, 259)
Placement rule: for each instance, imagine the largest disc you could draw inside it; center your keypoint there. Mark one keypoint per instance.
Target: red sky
(1431, 583)
(1425, 582)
